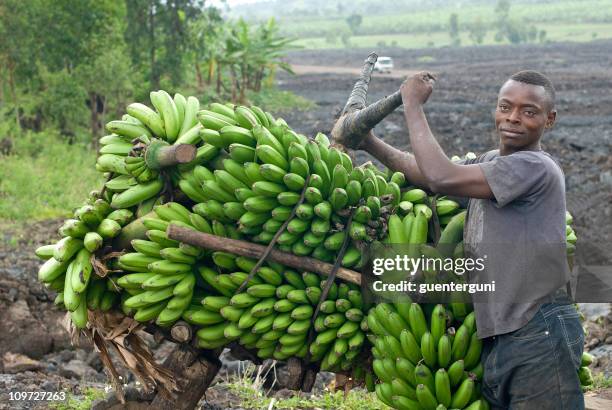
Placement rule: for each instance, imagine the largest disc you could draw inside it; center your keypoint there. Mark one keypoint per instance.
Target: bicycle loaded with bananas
(249, 175)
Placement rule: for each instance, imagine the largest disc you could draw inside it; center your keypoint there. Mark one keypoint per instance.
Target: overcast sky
(230, 2)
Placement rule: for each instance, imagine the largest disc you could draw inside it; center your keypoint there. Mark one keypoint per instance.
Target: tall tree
(108, 83)
(141, 39)
(354, 22)
(157, 36)
(91, 50)
(18, 51)
(511, 29)
(453, 29)
(477, 31)
(205, 43)
(46, 42)
(253, 53)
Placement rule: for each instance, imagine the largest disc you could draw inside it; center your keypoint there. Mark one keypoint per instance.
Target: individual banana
(148, 117)
(137, 194)
(165, 105)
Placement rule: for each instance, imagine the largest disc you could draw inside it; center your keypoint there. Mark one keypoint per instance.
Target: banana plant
(251, 53)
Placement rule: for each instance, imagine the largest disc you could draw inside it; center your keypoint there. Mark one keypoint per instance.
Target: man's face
(522, 113)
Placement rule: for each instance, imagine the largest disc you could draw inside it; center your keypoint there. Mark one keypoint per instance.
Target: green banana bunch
(246, 181)
(161, 274)
(425, 363)
(68, 265)
(135, 178)
(262, 169)
(274, 313)
(584, 373)
(138, 169)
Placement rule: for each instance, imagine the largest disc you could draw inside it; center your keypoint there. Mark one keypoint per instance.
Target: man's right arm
(394, 159)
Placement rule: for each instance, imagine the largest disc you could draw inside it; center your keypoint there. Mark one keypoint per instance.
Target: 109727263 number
(37, 396)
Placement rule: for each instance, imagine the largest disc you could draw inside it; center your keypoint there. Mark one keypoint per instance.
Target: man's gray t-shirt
(521, 235)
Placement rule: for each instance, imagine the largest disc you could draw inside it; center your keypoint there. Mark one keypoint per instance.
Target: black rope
(434, 220)
(278, 233)
(111, 175)
(329, 282)
(168, 190)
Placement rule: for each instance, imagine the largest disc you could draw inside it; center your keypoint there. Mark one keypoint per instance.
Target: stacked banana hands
(252, 175)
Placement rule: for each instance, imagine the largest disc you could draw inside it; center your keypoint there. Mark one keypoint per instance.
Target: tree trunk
(245, 83)
(234, 82)
(94, 121)
(194, 373)
(199, 78)
(154, 74)
(219, 78)
(259, 79)
(103, 113)
(11, 74)
(211, 71)
(1, 85)
(246, 77)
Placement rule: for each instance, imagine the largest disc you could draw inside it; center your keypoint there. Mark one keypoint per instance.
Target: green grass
(600, 381)
(83, 402)
(45, 178)
(554, 32)
(248, 389)
(278, 101)
(436, 18)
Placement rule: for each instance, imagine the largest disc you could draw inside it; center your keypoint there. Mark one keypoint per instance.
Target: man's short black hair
(536, 78)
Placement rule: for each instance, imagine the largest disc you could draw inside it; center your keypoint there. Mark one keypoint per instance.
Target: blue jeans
(535, 367)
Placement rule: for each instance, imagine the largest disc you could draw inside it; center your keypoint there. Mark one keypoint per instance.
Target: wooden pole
(194, 373)
(161, 155)
(181, 332)
(352, 127)
(251, 250)
(356, 119)
(357, 99)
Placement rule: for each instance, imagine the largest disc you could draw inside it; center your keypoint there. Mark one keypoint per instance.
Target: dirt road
(300, 69)
(461, 107)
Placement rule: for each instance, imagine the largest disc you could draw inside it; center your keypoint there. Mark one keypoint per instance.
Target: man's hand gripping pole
(357, 120)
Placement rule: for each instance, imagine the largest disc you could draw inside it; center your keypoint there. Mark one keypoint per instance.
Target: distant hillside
(333, 23)
(309, 9)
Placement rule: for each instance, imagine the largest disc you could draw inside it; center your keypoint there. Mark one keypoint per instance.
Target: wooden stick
(357, 119)
(296, 370)
(194, 373)
(357, 99)
(277, 235)
(160, 155)
(252, 250)
(181, 332)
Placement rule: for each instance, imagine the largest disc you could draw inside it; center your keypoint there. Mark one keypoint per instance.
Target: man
(532, 336)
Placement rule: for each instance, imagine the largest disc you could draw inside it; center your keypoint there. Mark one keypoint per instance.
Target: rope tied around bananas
(434, 221)
(329, 281)
(278, 233)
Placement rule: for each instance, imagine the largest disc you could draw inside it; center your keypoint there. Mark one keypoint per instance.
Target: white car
(384, 64)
